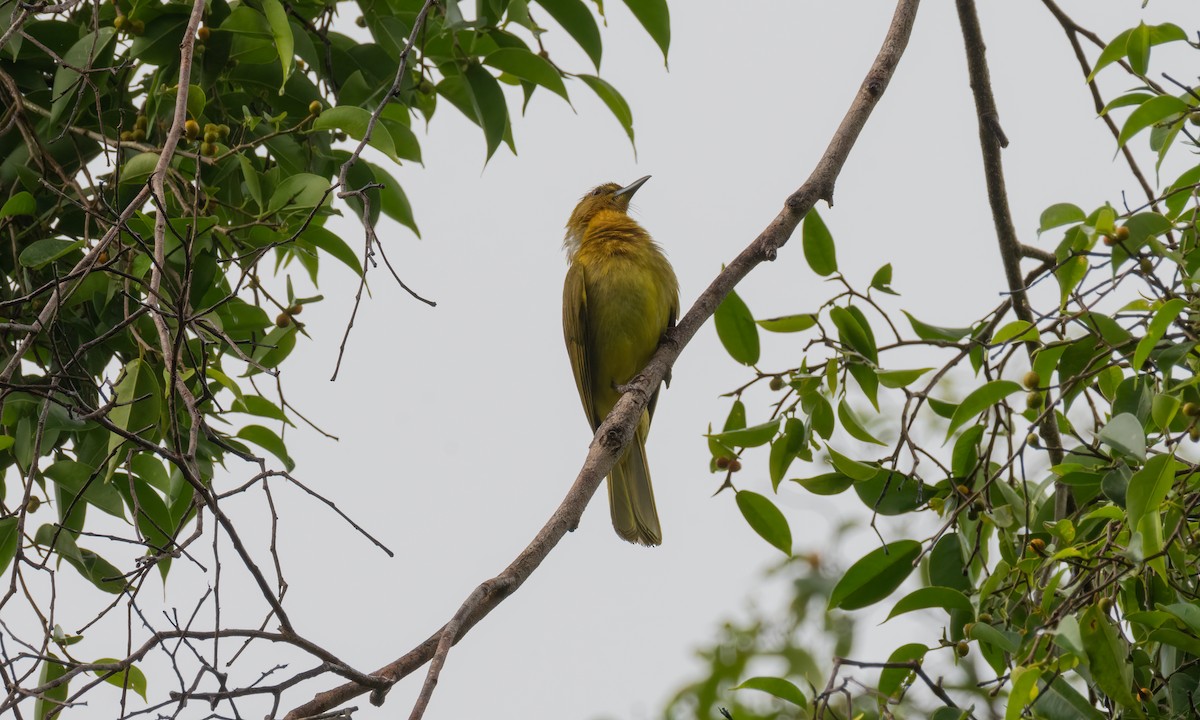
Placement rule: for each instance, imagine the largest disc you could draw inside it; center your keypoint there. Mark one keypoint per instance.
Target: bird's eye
(597, 191)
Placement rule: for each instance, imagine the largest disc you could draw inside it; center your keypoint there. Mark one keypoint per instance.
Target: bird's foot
(631, 385)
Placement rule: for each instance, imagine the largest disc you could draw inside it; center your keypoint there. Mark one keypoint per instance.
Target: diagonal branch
(617, 429)
(991, 142)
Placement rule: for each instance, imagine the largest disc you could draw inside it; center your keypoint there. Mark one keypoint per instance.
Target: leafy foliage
(143, 330)
(1052, 502)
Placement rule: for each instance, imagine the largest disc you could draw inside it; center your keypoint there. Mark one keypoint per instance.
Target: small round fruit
(314, 108)
(1105, 604)
(1031, 381)
(1109, 240)
(283, 320)
(360, 21)
(962, 649)
(34, 503)
(223, 130)
(1037, 545)
(1034, 400)
(203, 33)
(1121, 234)
(102, 257)
(777, 383)
(1195, 118)
(120, 22)
(1031, 440)
(985, 617)
(1145, 695)
(1191, 409)
(126, 136)
(208, 149)
(212, 136)
(1194, 433)
(735, 465)
(296, 309)
(191, 128)
(141, 122)
(722, 463)
(139, 134)
(962, 489)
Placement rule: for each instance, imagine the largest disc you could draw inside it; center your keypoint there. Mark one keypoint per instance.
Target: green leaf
(300, 192)
(653, 16)
(1106, 654)
(1163, 317)
(1024, 691)
(1148, 489)
(77, 479)
(8, 541)
(789, 323)
(900, 378)
(616, 104)
(934, 333)
(882, 280)
(260, 406)
(827, 484)
(50, 702)
(966, 452)
(324, 239)
(266, 439)
(577, 20)
(1119, 47)
(854, 426)
(1164, 409)
(853, 333)
(138, 168)
(979, 400)
(875, 576)
(276, 346)
(766, 519)
(785, 449)
(1124, 433)
(250, 175)
(891, 493)
(41, 253)
(1016, 331)
(736, 328)
(749, 437)
(488, 100)
(522, 63)
(354, 121)
(132, 677)
(139, 402)
(1068, 273)
(1059, 215)
(778, 687)
(930, 597)
(890, 679)
(818, 245)
(986, 633)
(854, 469)
(1137, 49)
(20, 204)
(281, 30)
(395, 202)
(82, 55)
(1155, 110)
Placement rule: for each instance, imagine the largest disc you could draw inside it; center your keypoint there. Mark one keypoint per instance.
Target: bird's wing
(671, 317)
(575, 332)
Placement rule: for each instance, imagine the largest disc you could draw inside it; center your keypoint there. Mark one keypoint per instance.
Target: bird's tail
(631, 497)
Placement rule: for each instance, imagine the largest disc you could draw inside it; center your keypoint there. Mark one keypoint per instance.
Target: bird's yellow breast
(631, 294)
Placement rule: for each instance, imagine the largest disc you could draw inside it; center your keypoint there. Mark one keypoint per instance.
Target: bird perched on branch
(620, 296)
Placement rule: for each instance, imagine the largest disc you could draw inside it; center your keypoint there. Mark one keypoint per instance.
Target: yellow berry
(314, 108)
(283, 319)
(1034, 400)
(1121, 234)
(191, 128)
(777, 383)
(203, 33)
(735, 465)
(962, 648)
(1031, 381)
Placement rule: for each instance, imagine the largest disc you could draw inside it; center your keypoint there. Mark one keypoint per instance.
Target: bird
(619, 297)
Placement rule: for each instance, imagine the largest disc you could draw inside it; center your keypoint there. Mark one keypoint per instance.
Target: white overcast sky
(460, 428)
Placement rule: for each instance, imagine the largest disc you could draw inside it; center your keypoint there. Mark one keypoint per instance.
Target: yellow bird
(619, 297)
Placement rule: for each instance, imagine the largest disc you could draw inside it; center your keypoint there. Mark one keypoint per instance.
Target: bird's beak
(632, 187)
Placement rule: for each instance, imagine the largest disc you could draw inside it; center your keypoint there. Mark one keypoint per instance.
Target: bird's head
(609, 196)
